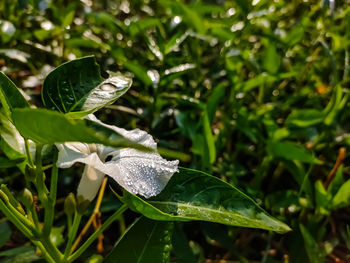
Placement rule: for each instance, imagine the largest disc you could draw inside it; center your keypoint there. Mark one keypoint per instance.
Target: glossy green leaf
(10, 96)
(342, 197)
(304, 118)
(145, 241)
(48, 127)
(77, 87)
(291, 151)
(194, 195)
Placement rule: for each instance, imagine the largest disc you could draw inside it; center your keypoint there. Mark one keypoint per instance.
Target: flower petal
(73, 152)
(135, 135)
(89, 184)
(140, 172)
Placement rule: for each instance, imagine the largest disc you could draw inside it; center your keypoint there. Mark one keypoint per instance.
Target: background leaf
(291, 151)
(145, 241)
(5, 233)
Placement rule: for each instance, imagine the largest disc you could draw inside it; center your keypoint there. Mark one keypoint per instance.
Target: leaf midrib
(242, 218)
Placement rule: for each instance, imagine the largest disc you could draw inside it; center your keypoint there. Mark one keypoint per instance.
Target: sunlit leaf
(46, 127)
(10, 96)
(77, 86)
(194, 195)
(342, 197)
(291, 151)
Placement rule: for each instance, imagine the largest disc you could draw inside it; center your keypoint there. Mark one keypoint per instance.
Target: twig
(338, 162)
(92, 217)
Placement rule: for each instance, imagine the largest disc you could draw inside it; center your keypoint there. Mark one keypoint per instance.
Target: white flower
(143, 173)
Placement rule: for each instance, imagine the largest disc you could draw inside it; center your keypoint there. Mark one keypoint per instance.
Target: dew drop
(70, 98)
(108, 87)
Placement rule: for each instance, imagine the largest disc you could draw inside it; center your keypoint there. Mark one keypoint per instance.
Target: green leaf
(77, 86)
(194, 195)
(7, 163)
(207, 133)
(304, 118)
(181, 246)
(48, 127)
(291, 151)
(56, 235)
(342, 197)
(214, 100)
(322, 198)
(145, 241)
(10, 96)
(271, 59)
(139, 71)
(314, 252)
(16, 251)
(11, 142)
(5, 233)
(25, 257)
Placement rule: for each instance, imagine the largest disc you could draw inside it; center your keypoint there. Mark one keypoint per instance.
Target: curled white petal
(140, 172)
(143, 173)
(89, 183)
(135, 135)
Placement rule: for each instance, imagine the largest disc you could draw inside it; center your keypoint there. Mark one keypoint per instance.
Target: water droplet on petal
(108, 87)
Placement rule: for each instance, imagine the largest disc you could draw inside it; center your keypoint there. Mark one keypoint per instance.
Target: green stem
(29, 156)
(72, 234)
(51, 249)
(35, 217)
(50, 209)
(15, 221)
(42, 192)
(54, 178)
(69, 222)
(19, 217)
(44, 252)
(95, 235)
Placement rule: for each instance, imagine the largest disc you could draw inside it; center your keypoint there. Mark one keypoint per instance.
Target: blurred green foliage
(254, 92)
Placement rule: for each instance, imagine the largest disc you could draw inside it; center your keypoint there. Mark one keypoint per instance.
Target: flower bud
(27, 198)
(83, 204)
(8, 197)
(30, 173)
(70, 205)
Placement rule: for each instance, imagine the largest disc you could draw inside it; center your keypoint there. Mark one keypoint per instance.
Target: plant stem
(40, 185)
(44, 252)
(30, 160)
(95, 235)
(92, 217)
(15, 221)
(72, 234)
(50, 209)
(19, 217)
(51, 249)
